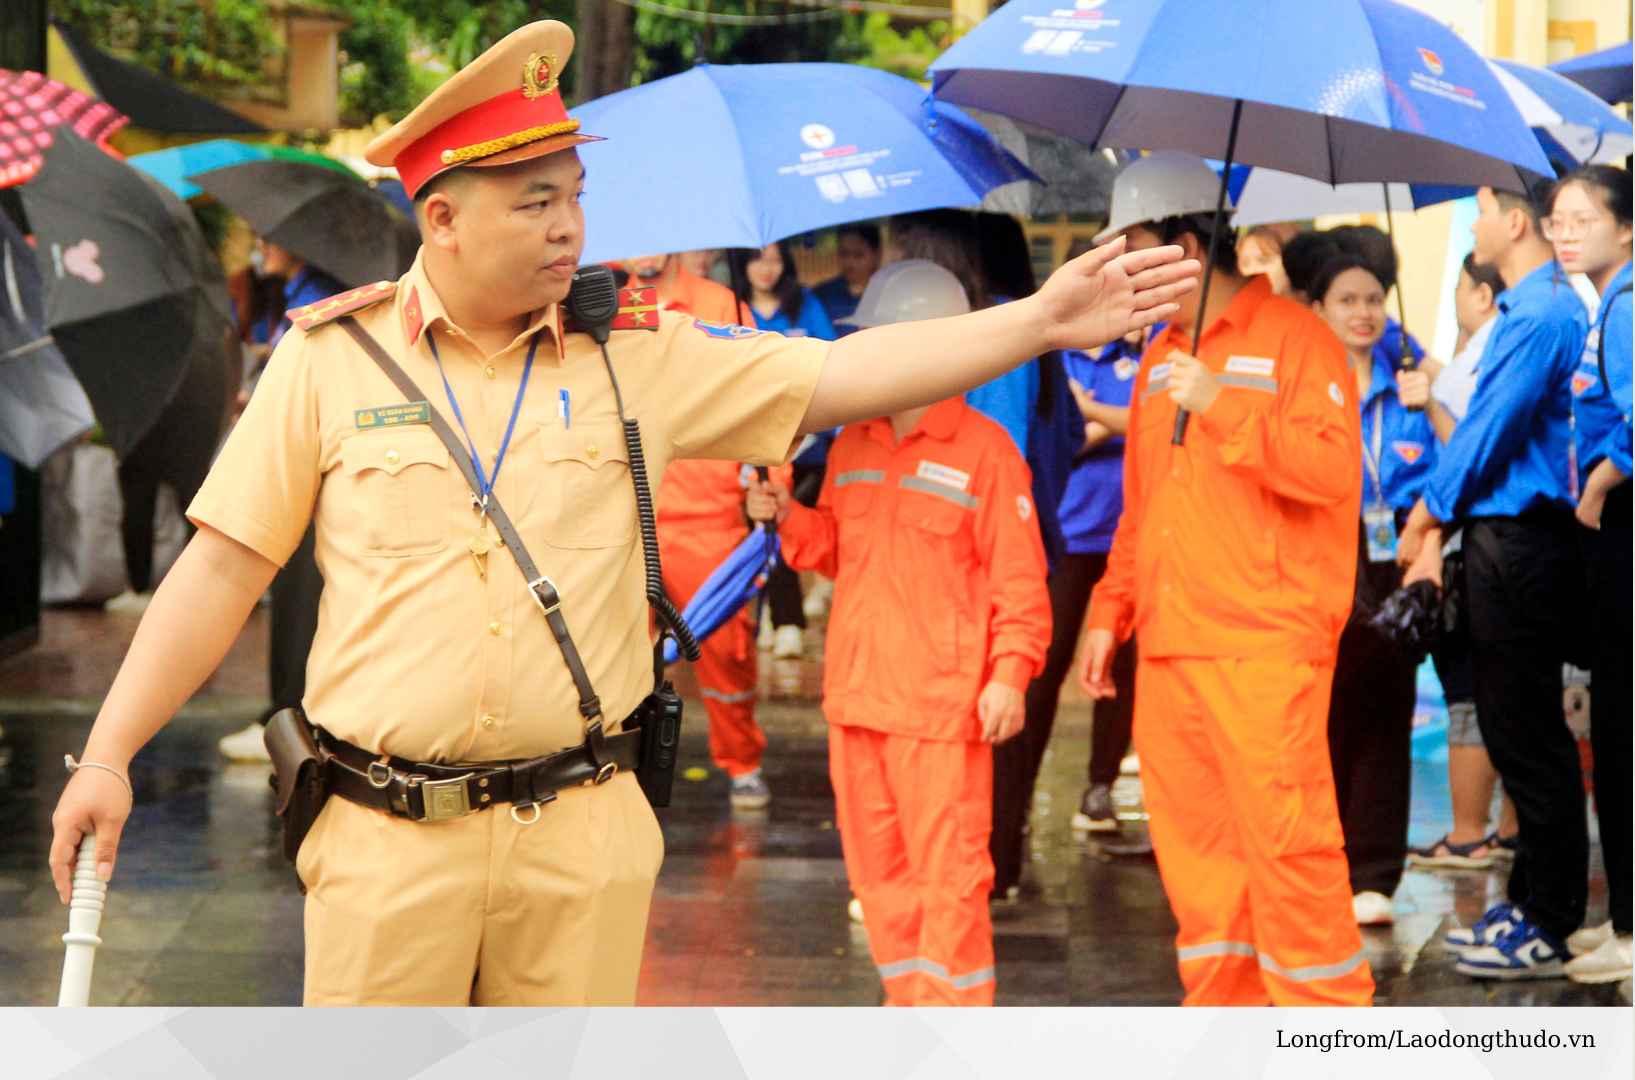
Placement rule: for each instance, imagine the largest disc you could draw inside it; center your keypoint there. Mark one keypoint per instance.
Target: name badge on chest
(1380, 527)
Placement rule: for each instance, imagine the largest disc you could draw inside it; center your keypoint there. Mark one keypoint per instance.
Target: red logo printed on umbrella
(81, 261)
(1432, 61)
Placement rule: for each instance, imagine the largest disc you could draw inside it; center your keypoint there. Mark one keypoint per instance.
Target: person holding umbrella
(478, 833)
(295, 592)
(941, 620)
(1233, 565)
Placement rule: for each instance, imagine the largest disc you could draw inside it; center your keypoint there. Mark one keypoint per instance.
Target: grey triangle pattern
(155, 1052)
(292, 1044)
(857, 1044)
(543, 1044)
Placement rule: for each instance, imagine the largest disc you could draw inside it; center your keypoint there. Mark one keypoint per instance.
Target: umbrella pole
(1402, 307)
(1179, 437)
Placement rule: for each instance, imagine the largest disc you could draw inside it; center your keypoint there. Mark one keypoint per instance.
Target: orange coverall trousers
(1246, 831)
(915, 815)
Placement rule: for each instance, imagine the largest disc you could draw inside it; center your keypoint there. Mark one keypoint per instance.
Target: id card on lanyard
(1379, 520)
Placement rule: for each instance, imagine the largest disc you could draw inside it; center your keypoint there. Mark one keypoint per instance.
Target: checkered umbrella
(30, 106)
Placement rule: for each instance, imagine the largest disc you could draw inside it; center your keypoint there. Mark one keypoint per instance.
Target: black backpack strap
(1601, 340)
(540, 587)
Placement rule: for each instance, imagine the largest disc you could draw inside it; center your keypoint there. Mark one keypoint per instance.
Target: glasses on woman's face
(1569, 226)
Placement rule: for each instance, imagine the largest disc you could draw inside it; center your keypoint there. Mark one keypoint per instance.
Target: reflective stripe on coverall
(939, 587)
(1235, 562)
(700, 512)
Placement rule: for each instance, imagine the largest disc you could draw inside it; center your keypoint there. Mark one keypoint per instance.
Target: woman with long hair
(766, 279)
(1589, 226)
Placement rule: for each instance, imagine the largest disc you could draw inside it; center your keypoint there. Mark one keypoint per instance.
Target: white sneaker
(1372, 909)
(854, 910)
(1585, 940)
(816, 604)
(246, 745)
(749, 791)
(763, 636)
(788, 643)
(1130, 766)
(128, 603)
(1610, 962)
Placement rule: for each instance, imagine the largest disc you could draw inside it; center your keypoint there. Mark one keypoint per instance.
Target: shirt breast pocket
(396, 491)
(937, 525)
(588, 498)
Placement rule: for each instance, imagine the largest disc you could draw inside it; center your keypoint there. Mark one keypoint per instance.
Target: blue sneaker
(1522, 952)
(1497, 921)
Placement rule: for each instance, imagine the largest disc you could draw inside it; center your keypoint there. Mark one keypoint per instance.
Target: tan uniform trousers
(481, 910)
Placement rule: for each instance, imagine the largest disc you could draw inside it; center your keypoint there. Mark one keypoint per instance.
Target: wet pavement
(750, 908)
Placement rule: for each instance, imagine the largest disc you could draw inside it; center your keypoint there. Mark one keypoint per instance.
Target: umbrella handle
(84, 920)
(765, 477)
(1179, 436)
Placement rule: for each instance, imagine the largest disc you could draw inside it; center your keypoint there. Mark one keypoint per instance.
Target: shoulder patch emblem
(326, 311)
(638, 310)
(730, 331)
(1336, 394)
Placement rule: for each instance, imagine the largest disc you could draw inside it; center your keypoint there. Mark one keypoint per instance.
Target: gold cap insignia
(539, 75)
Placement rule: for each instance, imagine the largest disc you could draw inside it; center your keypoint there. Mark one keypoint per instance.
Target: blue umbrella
(1345, 90)
(729, 587)
(1606, 74)
(1581, 126)
(745, 155)
(1342, 91)
(172, 166)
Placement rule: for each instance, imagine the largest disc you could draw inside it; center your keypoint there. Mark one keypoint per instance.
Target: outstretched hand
(1108, 292)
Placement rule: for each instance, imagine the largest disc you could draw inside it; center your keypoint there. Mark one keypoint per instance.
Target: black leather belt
(422, 791)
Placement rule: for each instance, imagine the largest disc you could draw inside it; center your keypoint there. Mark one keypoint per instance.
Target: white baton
(84, 919)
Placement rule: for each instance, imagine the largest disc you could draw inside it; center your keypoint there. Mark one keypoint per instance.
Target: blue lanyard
(483, 478)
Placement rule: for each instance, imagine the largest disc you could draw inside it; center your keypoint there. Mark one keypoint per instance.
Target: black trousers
(1016, 761)
(295, 591)
(1370, 730)
(1524, 581)
(1607, 566)
(139, 478)
(785, 605)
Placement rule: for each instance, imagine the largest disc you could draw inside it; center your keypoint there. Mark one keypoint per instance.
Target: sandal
(1502, 847)
(1477, 855)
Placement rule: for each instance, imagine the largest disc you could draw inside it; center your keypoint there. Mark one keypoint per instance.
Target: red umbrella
(30, 106)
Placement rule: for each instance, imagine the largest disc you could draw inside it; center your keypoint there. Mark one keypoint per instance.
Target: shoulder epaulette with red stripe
(325, 311)
(638, 310)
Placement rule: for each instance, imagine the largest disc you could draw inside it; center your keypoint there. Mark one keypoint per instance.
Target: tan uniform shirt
(416, 654)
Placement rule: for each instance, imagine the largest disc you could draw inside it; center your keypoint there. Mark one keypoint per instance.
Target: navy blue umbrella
(729, 587)
(1606, 74)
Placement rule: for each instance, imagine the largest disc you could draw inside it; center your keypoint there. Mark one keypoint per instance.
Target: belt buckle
(446, 800)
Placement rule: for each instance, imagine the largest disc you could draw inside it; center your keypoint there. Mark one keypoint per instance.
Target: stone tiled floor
(749, 908)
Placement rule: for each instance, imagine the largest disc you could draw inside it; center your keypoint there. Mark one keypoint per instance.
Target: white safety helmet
(1163, 184)
(909, 291)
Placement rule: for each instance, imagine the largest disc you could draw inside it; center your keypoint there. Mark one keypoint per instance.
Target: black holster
(659, 717)
(298, 777)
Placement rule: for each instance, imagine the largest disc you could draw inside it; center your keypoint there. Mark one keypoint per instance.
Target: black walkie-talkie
(593, 301)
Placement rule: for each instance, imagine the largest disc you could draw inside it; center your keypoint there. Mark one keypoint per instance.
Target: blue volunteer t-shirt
(1094, 498)
(838, 302)
(1602, 405)
(1404, 439)
(812, 321)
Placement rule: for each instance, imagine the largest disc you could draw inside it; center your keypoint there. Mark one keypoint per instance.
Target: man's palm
(1108, 292)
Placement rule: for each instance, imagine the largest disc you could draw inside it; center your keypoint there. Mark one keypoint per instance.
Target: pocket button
(391, 457)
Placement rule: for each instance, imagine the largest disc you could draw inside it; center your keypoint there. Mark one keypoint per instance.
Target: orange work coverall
(939, 588)
(1234, 562)
(700, 516)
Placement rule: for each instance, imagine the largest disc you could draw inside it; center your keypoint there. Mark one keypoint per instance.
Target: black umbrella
(135, 298)
(336, 222)
(42, 405)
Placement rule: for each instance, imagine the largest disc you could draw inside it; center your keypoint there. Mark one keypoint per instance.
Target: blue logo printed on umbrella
(729, 331)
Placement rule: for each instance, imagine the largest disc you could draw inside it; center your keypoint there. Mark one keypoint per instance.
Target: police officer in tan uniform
(434, 670)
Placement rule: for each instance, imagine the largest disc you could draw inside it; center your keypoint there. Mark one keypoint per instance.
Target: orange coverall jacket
(1244, 542)
(939, 572)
